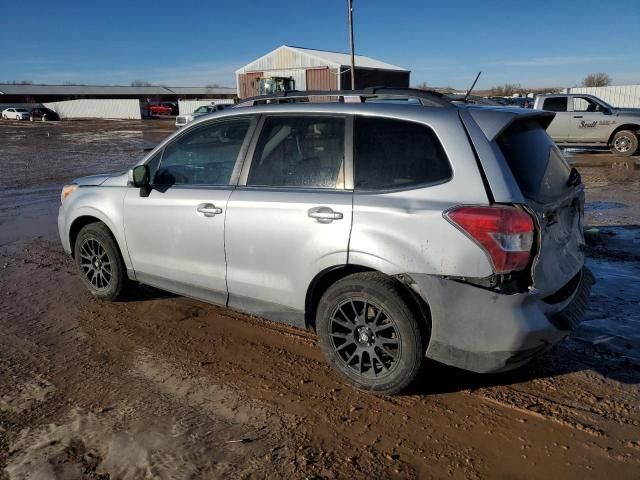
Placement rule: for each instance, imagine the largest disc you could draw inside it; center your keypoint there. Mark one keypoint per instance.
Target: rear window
(395, 154)
(536, 162)
(555, 104)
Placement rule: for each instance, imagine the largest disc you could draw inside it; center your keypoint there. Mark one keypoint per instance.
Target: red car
(163, 109)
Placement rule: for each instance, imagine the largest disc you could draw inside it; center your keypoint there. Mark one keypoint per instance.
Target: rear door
(559, 129)
(555, 196)
(290, 216)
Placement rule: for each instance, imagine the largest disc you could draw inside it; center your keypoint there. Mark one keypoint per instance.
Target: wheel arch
(82, 221)
(323, 280)
(634, 127)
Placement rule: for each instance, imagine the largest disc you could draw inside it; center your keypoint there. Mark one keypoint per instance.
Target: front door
(175, 235)
(588, 121)
(290, 216)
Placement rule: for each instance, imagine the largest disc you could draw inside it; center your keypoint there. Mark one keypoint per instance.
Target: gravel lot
(160, 386)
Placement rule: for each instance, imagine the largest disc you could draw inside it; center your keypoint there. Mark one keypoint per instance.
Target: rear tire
(99, 262)
(369, 333)
(625, 143)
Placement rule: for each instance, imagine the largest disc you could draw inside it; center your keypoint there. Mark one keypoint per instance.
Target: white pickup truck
(587, 121)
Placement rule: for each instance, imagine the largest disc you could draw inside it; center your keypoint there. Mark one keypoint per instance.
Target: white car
(15, 114)
(182, 120)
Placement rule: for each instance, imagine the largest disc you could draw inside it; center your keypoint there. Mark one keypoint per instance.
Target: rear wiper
(574, 178)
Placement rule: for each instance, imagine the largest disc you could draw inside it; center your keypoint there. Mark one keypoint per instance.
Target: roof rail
(428, 98)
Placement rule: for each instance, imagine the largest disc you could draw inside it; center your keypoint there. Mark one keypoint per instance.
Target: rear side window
(299, 151)
(394, 154)
(555, 104)
(536, 162)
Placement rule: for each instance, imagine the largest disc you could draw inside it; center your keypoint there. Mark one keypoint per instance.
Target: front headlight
(67, 190)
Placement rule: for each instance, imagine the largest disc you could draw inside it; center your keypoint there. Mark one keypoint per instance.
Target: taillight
(504, 233)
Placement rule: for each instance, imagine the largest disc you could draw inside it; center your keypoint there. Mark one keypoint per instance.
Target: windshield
(201, 110)
(20, 110)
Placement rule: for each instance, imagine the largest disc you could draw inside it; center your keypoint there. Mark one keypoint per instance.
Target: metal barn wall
(186, 107)
(247, 85)
(283, 58)
(321, 79)
(618, 96)
(99, 108)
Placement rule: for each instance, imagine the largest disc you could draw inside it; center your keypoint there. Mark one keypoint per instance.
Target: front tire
(625, 143)
(369, 333)
(99, 261)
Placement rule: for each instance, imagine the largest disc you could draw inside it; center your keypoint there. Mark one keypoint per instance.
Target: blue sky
(535, 43)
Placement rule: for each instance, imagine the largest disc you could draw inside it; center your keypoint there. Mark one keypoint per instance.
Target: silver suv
(395, 231)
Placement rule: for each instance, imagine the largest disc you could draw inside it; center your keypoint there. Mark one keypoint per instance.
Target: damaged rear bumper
(485, 331)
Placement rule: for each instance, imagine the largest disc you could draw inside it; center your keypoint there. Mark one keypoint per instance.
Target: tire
(99, 261)
(381, 353)
(625, 143)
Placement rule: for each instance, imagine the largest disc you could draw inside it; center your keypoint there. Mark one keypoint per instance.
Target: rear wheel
(369, 333)
(624, 142)
(99, 261)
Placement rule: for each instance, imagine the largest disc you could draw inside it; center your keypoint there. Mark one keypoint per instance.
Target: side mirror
(141, 176)
(606, 111)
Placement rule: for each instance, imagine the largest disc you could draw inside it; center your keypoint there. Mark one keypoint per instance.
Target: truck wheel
(369, 334)
(625, 142)
(99, 261)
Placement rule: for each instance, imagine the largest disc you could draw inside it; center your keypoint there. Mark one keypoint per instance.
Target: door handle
(209, 209)
(577, 116)
(324, 214)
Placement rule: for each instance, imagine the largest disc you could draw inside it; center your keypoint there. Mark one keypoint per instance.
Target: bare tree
(140, 83)
(599, 79)
(19, 82)
(506, 90)
(422, 86)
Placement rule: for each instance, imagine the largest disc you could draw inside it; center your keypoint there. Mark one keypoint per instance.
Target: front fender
(102, 203)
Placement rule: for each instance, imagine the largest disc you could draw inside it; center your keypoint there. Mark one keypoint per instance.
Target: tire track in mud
(159, 373)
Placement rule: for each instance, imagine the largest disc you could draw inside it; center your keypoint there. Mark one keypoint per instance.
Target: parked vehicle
(166, 108)
(44, 114)
(473, 99)
(522, 102)
(587, 121)
(15, 113)
(394, 231)
(182, 120)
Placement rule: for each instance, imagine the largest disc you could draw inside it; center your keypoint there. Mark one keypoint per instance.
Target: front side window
(394, 154)
(583, 104)
(299, 151)
(205, 155)
(555, 104)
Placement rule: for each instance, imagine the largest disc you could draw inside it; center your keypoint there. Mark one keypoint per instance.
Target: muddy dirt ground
(160, 386)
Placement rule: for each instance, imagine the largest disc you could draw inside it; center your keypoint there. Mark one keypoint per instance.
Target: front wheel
(99, 261)
(625, 143)
(369, 333)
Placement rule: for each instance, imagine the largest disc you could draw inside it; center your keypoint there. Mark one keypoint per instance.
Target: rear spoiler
(494, 121)
(487, 123)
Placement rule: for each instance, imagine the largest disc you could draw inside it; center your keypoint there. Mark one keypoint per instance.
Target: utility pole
(353, 59)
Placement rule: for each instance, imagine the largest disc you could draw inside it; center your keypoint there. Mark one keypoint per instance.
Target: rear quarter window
(536, 162)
